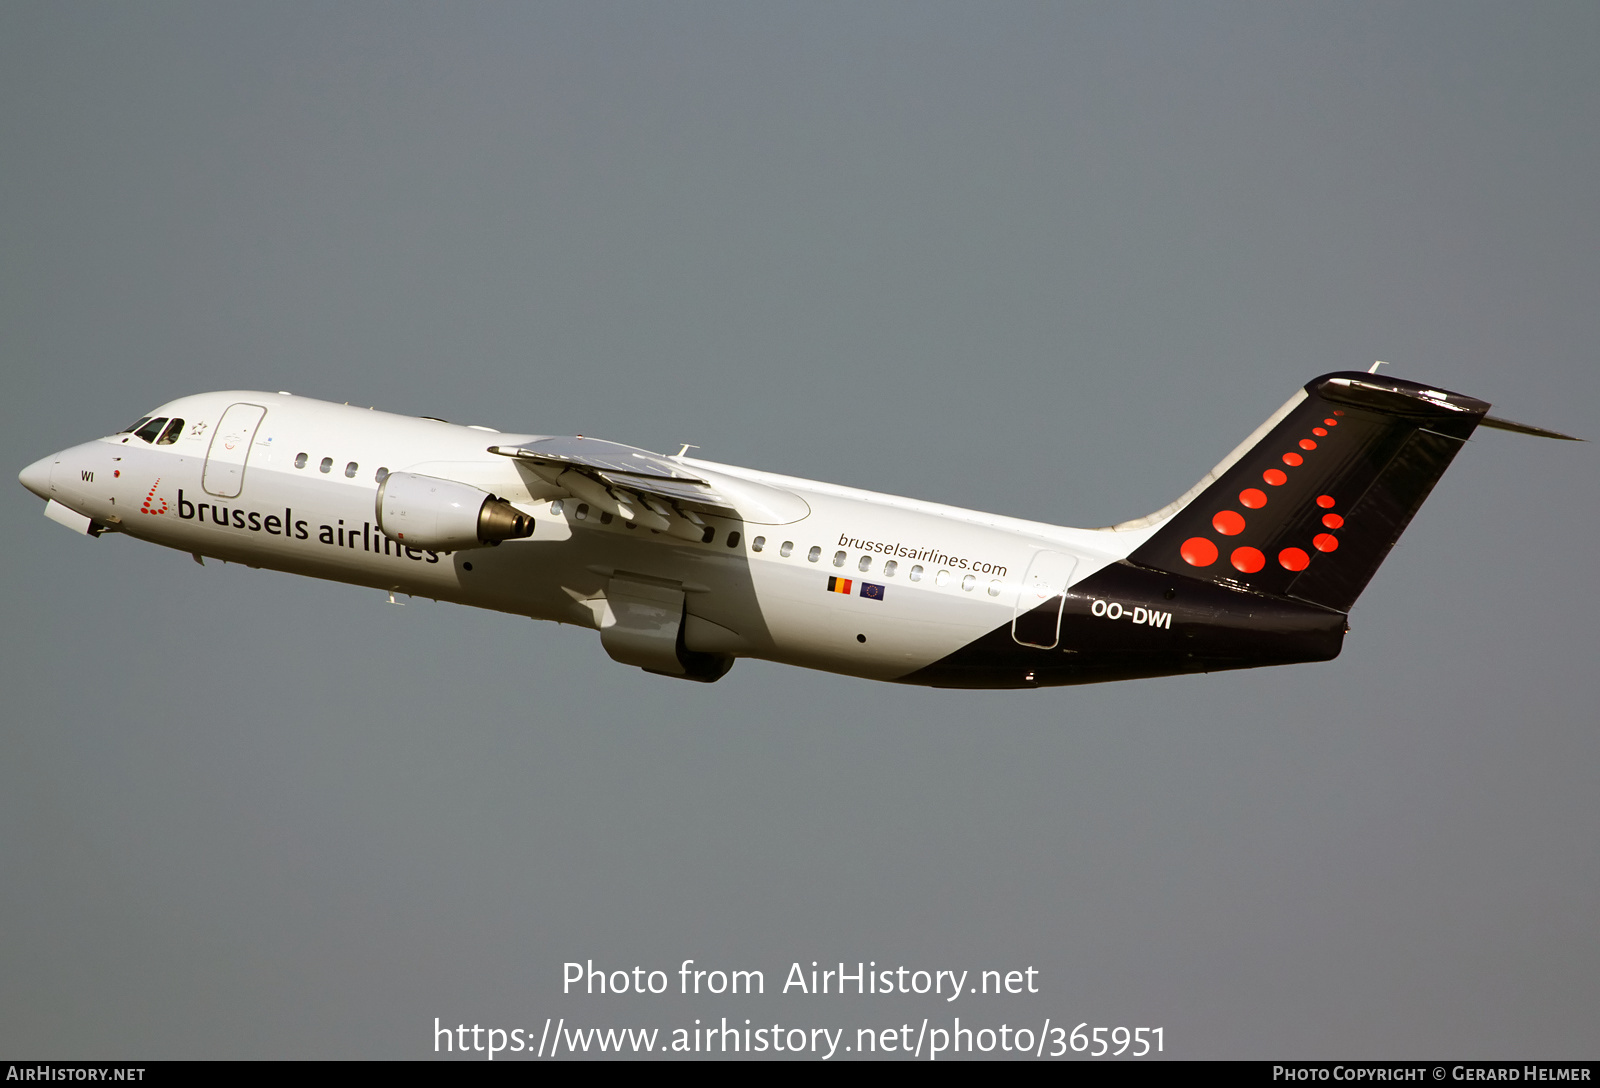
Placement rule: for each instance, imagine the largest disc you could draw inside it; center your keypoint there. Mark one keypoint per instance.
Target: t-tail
(1309, 506)
(1257, 564)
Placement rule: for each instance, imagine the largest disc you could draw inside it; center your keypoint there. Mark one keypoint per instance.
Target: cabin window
(916, 573)
(381, 475)
(838, 559)
(943, 578)
(994, 588)
(151, 430)
(865, 564)
(173, 432)
(814, 554)
(299, 460)
(733, 540)
(556, 507)
(708, 536)
(889, 568)
(350, 470)
(582, 512)
(758, 543)
(787, 550)
(326, 466)
(968, 582)
(606, 518)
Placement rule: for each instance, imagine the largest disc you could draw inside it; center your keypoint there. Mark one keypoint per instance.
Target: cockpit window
(173, 432)
(135, 426)
(150, 430)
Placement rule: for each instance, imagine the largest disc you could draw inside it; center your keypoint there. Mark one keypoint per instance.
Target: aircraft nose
(36, 477)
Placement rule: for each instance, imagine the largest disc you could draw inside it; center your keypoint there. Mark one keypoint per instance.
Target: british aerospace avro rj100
(684, 565)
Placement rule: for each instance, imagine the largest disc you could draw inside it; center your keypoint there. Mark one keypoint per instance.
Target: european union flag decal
(871, 592)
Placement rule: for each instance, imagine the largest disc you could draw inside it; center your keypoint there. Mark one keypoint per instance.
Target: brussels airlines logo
(151, 497)
(286, 526)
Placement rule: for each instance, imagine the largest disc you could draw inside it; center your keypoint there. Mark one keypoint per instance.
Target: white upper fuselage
(307, 482)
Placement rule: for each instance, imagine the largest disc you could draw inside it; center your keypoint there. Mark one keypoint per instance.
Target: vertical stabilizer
(1313, 507)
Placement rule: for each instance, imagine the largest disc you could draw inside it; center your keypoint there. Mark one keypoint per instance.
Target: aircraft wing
(636, 485)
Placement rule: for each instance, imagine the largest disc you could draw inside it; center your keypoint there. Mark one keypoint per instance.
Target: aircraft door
(230, 449)
(1036, 620)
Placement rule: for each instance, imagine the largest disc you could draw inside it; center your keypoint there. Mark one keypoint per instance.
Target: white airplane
(684, 565)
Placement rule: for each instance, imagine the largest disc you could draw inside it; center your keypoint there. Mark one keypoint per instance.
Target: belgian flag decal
(839, 585)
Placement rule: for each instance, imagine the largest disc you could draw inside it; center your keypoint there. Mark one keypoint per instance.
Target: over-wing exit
(684, 565)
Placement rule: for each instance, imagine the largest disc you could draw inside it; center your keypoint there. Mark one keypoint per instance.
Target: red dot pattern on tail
(1228, 522)
(1199, 551)
(1248, 560)
(1294, 559)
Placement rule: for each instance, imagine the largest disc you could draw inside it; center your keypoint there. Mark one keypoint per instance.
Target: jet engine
(445, 516)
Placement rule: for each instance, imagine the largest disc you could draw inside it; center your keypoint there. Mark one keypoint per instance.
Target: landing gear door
(644, 624)
(230, 449)
(1036, 621)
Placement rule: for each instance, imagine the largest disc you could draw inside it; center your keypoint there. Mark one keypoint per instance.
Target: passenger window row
(891, 567)
(350, 469)
(969, 582)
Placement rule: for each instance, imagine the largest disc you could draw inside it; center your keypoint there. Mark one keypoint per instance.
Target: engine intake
(444, 515)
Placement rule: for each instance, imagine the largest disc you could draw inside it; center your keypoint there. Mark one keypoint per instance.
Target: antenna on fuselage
(685, 448)
(1373, 369)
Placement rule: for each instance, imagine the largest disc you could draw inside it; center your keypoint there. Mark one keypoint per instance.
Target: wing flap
(651, 489)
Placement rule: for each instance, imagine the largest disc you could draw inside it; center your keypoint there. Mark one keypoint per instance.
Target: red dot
(1331, 422)
(1307, 444)
(1293, 459)
(1320, 432)
(1248, 560)
(1325, 542)
(1325, 501)
(1253, 497)
(1338, 413)
(1228, 522)
(1332, 521)
(1275, 476)
(1197, 551)
(1294, 559)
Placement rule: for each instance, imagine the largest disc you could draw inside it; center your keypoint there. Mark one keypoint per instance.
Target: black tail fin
(1313, 508)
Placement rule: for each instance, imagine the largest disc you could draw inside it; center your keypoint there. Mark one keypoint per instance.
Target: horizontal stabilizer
(1526, 428)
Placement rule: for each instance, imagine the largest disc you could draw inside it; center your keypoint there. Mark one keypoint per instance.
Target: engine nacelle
(445, 516)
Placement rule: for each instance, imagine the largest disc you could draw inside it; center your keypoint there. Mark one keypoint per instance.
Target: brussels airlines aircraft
(683, 565)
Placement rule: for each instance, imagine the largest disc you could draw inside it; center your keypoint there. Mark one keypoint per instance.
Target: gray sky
(1048, 260)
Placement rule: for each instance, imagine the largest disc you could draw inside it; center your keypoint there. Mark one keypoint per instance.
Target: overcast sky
(1050, 260)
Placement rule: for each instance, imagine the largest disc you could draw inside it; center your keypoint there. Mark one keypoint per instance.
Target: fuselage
(801, 572)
